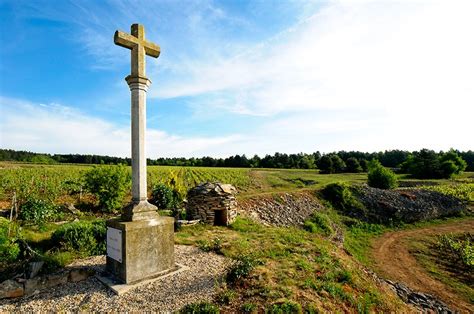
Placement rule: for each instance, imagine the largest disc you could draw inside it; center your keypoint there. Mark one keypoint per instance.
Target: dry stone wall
(212, 203)
(281, 209)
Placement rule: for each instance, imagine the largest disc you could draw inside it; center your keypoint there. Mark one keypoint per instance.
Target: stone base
(147, 249)
(121, 288)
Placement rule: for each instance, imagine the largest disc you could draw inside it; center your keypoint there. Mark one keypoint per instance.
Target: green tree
(325, 164)
(353, 165)
(338, 164)
(109, 184)
(458, 162)
(427, 164)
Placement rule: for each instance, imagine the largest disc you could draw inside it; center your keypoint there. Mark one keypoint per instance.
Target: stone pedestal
(146, 249)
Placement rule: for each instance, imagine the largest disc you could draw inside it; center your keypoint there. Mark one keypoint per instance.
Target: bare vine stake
(11, 211)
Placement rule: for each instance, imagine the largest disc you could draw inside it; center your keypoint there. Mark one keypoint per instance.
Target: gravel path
(198, 283)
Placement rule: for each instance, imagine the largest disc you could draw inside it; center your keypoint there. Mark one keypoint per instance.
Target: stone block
(11, 289)
(80, 274)
(147, 249)
(35, 285)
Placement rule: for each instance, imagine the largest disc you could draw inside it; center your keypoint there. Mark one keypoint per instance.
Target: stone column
(139, 209)
(138, 87)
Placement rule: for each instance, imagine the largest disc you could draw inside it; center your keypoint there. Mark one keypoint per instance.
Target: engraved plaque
(114, 244)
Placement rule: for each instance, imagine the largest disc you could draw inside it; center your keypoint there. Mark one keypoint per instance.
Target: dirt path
(394, 261)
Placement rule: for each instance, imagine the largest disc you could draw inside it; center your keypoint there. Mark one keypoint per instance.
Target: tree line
(341, 161)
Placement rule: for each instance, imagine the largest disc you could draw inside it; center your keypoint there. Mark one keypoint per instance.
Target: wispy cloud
(55, 128)
(392, 55)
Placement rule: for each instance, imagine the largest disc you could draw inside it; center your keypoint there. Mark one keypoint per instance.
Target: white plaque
(114, 244)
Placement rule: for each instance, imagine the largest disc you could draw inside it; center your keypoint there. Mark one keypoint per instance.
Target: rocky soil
(198, 283)
(280, 209)
(406, 205)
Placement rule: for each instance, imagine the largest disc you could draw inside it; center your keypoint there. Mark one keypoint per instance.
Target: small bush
(319, 223)
(287, 306)
(9, 248)
(248, 308)
(225, 296)
(214, 246)
(163, 196)
(54, 260)
(381, 177)
(39, 211)
(241, 268)
(88, 238)
(340, 195)
(200, 308)
(109, 184)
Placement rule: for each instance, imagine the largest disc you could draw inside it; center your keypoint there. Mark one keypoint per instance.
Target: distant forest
(388, 158)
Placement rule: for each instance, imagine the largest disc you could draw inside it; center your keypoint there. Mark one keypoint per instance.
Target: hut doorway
(220, 217)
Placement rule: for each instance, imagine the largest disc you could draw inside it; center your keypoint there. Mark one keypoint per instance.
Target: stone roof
(213, 188)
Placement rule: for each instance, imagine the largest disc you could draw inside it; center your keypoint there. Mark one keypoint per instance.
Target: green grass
(358, 240)
(294, 264)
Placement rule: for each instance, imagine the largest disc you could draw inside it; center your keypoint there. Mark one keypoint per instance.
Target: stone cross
(139, 209)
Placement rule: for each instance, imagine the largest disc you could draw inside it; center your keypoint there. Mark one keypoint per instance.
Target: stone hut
(212, 203)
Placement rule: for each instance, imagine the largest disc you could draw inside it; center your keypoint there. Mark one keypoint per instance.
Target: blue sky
(236, 77)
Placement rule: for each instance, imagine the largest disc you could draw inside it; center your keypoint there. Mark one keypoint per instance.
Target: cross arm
(129, 41)
(151, 49)
(125, 40)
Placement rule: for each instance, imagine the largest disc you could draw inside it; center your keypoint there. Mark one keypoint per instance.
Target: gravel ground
(198, 283)
(406, 205)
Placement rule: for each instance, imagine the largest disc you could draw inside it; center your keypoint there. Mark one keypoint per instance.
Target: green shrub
(200, 308)
(9, 248)
(381, 177)
(285, 307)
(88, 238)
(54, 260)
(163, 196)
(340, 195)
(225, 296)
(241, 268)
(39, 211)
(214, 246)
(248, 308)
(319, 223)
(109, 184)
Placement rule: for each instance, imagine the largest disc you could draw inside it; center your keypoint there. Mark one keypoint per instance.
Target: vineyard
(65, 183)
(53, 182)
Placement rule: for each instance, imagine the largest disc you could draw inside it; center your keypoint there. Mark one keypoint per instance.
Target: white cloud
(348, 55)
(54, 128)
